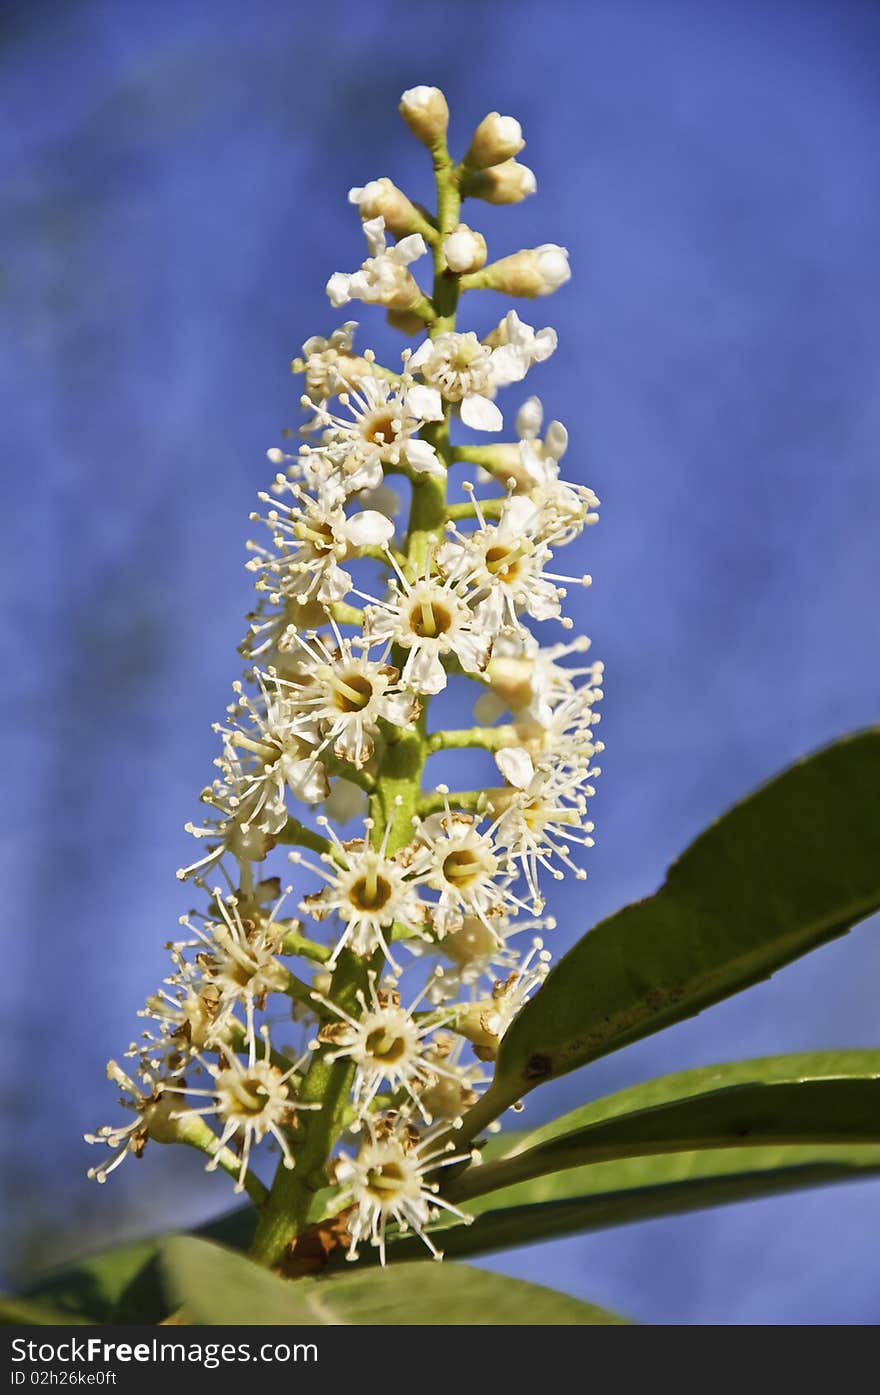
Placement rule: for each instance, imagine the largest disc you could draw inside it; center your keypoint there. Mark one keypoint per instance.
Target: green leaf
(121, 1284)
(794, 865)
(217, 1286)
(89, 1288)
(21, 1312)
(602, 1195)
(830, 1097)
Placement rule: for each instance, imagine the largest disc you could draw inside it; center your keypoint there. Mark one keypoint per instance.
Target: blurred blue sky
(174, 180)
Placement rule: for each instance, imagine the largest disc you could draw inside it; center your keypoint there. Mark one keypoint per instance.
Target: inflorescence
(438, 887)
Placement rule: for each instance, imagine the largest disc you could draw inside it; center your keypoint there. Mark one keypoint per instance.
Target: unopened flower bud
(464, 250)
(535, 271)
(161, 1120)
(497, 138)
(512, 680)
(470, 942)
(509, 182)
(382, 199)
(425, 111)
(555, 440)
(479, 1024)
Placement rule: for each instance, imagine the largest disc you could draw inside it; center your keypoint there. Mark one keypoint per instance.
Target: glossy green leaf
(794, 865)
(218, 1286)
(602, 1195)
(830, 1097)
(120, 1284)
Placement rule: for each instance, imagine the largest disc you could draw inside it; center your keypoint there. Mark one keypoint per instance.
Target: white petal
(472, 651)
(536, 470)
(510, 364)
(409, 248)
(515, 765)
(543, 601)
(424, 672)
(556, 440)
(374, 232)
(480, 414)
(420, 357)
(520, 514)
(339, 289)
(368, 529)
(544, 345)
(400, 709)
(335, 584)
(423, 458)
(516, 331)
(307, 779)
(424, 403)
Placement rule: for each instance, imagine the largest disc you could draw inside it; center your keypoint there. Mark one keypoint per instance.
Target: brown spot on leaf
(537, 1067)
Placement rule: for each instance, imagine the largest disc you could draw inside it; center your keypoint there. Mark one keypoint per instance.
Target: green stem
(489, 508)
(288, 1208)
(393, 799)
(488, 738)
(295, 942)
(470, 801)
(297, 835)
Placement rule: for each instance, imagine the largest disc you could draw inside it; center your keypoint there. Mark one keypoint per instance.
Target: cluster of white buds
(407, 948)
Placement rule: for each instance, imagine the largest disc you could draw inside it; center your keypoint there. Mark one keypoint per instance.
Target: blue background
(174, 179)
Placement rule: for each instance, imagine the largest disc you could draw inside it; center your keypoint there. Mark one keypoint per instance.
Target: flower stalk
(393, 1084)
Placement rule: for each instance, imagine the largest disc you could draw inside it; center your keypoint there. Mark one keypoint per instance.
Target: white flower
(477, 950)
(485, 1021)
(509, 182)
(542, 814)
(432, 620)
(470, 373)
(346, 802)
(516, 347)
(310, 539)
(384, 278)
(463, 864)
(454, 1089)
(368, 889)
(153, 1110)
(505, 565)
(528, 680)
(237, 953)
(387, 1184)
(389, 1046)
(461, 367)
(249, 813)
(268, 748)
(252, 1100)
(335, 691)
(329, 365)
(380, 428)
(347, 696)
